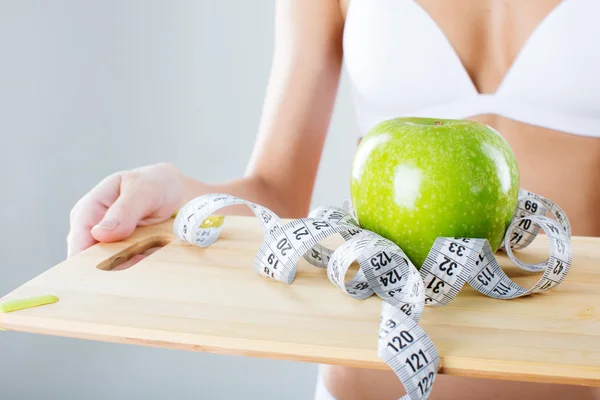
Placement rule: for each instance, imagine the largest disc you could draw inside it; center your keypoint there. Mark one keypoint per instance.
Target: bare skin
(487, 35)
(487, 39)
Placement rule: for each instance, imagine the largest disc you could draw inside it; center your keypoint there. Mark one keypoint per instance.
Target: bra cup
(559, 70)
(400, 63)
(397, 61)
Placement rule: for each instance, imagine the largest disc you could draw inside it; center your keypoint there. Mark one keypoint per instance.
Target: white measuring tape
(386, 271)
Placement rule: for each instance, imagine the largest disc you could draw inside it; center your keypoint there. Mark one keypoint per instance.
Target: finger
(80, 236)
(104, 193)
(88, 211)
(134, 203)
(79, 240)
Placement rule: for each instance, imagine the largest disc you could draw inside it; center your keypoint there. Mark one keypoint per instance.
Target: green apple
(416, 179)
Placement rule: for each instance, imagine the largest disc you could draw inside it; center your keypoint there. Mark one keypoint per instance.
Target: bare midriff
(487, 35)
(559, 166)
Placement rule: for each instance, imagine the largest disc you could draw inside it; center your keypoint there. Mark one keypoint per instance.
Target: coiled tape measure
(386, 271)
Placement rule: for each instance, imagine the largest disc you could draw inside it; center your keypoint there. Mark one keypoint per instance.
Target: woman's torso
(486, 36)
(483, 56)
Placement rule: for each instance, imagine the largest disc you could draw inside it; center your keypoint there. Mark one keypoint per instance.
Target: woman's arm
(281, 172)
(299, 102)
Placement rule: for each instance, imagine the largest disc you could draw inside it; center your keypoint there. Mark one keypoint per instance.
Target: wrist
(250, 188)
(192, 188)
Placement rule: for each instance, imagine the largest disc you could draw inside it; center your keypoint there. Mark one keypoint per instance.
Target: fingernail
(106, 225)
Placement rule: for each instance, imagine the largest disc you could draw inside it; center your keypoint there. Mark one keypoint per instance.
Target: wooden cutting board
(212, 300)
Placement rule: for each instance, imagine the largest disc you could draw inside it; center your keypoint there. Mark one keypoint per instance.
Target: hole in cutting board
(135, 253)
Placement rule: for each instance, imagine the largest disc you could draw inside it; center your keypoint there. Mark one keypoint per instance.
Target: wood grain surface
(212, 300)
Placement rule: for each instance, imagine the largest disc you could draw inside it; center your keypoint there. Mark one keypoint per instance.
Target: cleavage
(487, 35)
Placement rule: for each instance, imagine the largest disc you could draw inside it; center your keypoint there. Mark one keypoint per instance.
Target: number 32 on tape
(387, 272)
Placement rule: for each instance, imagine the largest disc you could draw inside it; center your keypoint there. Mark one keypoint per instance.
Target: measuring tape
(387, 272)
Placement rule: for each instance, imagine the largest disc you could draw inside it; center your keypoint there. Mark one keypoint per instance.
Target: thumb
(123, 216)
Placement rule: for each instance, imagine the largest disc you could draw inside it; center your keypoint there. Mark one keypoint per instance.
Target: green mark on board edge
(30, 302)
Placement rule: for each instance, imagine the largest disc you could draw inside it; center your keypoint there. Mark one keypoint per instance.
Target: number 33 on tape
(387, 272)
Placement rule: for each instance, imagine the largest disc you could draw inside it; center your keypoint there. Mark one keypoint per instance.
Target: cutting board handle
(110, 255)
(134, 249)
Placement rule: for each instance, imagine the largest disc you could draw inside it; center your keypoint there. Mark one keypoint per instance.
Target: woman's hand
(122, 201)
(283, 166)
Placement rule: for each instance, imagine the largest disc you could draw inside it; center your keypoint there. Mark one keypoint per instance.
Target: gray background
(84, 84)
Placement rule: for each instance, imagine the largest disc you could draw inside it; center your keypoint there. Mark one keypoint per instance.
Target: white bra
(400, 63)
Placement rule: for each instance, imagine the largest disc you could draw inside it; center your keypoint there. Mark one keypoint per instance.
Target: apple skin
(416, 179)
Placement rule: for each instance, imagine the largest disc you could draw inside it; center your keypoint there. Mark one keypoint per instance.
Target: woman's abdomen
(559, 166)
